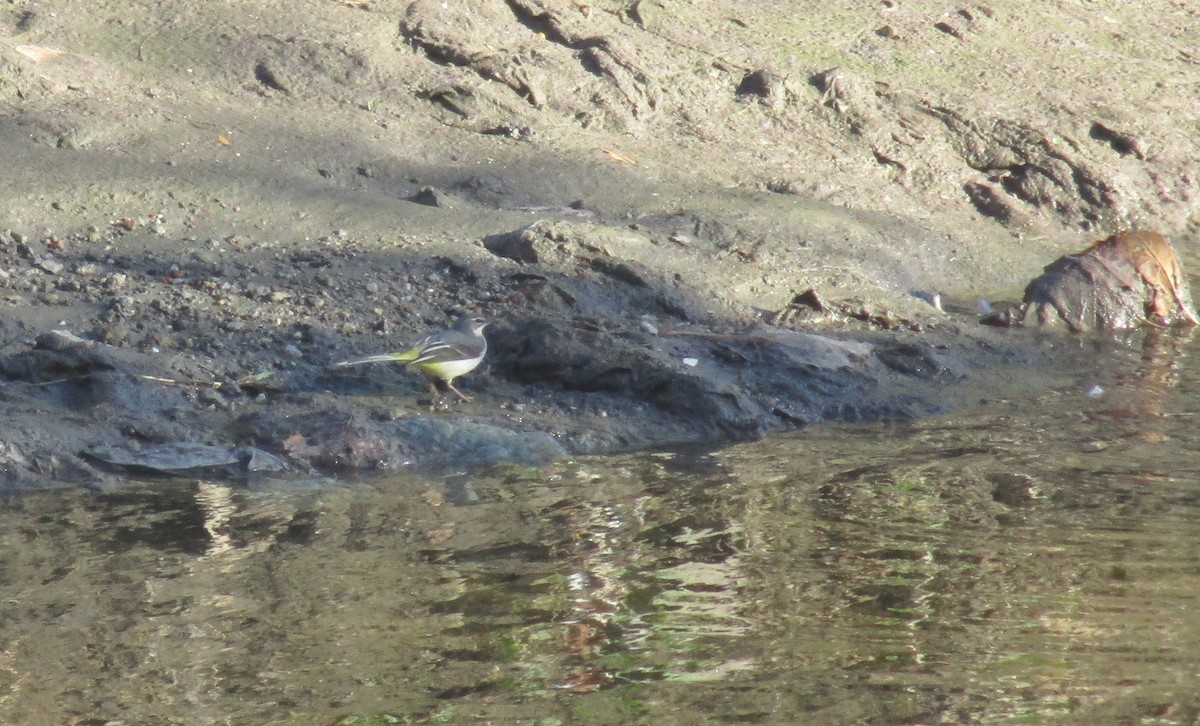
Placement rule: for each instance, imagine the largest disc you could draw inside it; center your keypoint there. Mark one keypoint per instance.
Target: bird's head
(471, 324)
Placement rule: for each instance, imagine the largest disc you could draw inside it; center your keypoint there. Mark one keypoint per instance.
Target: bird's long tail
(405, 357)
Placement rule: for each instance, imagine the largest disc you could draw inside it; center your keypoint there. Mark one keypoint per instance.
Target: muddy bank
(219, 206)
(594, 347)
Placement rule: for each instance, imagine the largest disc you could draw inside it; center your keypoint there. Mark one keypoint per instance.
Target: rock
(580, 245)
(166, 457)
(49, 265)
(742, 385)
(188, 459)
(431, 197)
(1121, 282)
(531, 243)
(1015, 490)
(339, 441)
(767, 85)
(443, 443)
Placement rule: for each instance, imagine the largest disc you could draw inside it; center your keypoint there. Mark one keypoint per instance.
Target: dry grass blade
(37, 53)
(620, 158)
(176, 382)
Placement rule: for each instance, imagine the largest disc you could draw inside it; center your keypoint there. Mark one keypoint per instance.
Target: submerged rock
(189, 459)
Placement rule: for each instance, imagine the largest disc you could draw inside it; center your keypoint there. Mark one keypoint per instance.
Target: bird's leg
(434, 393)
(458, 393)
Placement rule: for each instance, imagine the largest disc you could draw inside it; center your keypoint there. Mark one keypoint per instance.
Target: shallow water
(1031, 560)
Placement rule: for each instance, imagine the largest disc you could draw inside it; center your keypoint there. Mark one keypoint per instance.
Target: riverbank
(219, 207)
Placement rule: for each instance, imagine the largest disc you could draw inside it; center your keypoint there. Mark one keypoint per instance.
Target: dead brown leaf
(1154, 259)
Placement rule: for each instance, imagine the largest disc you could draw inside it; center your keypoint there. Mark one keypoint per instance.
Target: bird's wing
(438, 351)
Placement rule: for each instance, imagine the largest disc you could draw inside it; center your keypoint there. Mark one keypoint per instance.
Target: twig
(186, 384)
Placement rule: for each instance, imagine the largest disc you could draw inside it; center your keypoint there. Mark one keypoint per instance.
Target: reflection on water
(1031, 561)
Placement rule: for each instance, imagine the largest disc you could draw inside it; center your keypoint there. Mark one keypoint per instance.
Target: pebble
(933, 298)
(50, 266)
(114, 333)
(210, 397)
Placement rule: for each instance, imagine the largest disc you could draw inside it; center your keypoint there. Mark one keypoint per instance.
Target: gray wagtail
(442, 356)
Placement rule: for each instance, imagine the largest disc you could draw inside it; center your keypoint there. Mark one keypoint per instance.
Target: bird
(443, 356)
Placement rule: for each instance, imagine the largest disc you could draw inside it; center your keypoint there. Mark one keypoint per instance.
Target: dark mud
(228, 349)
